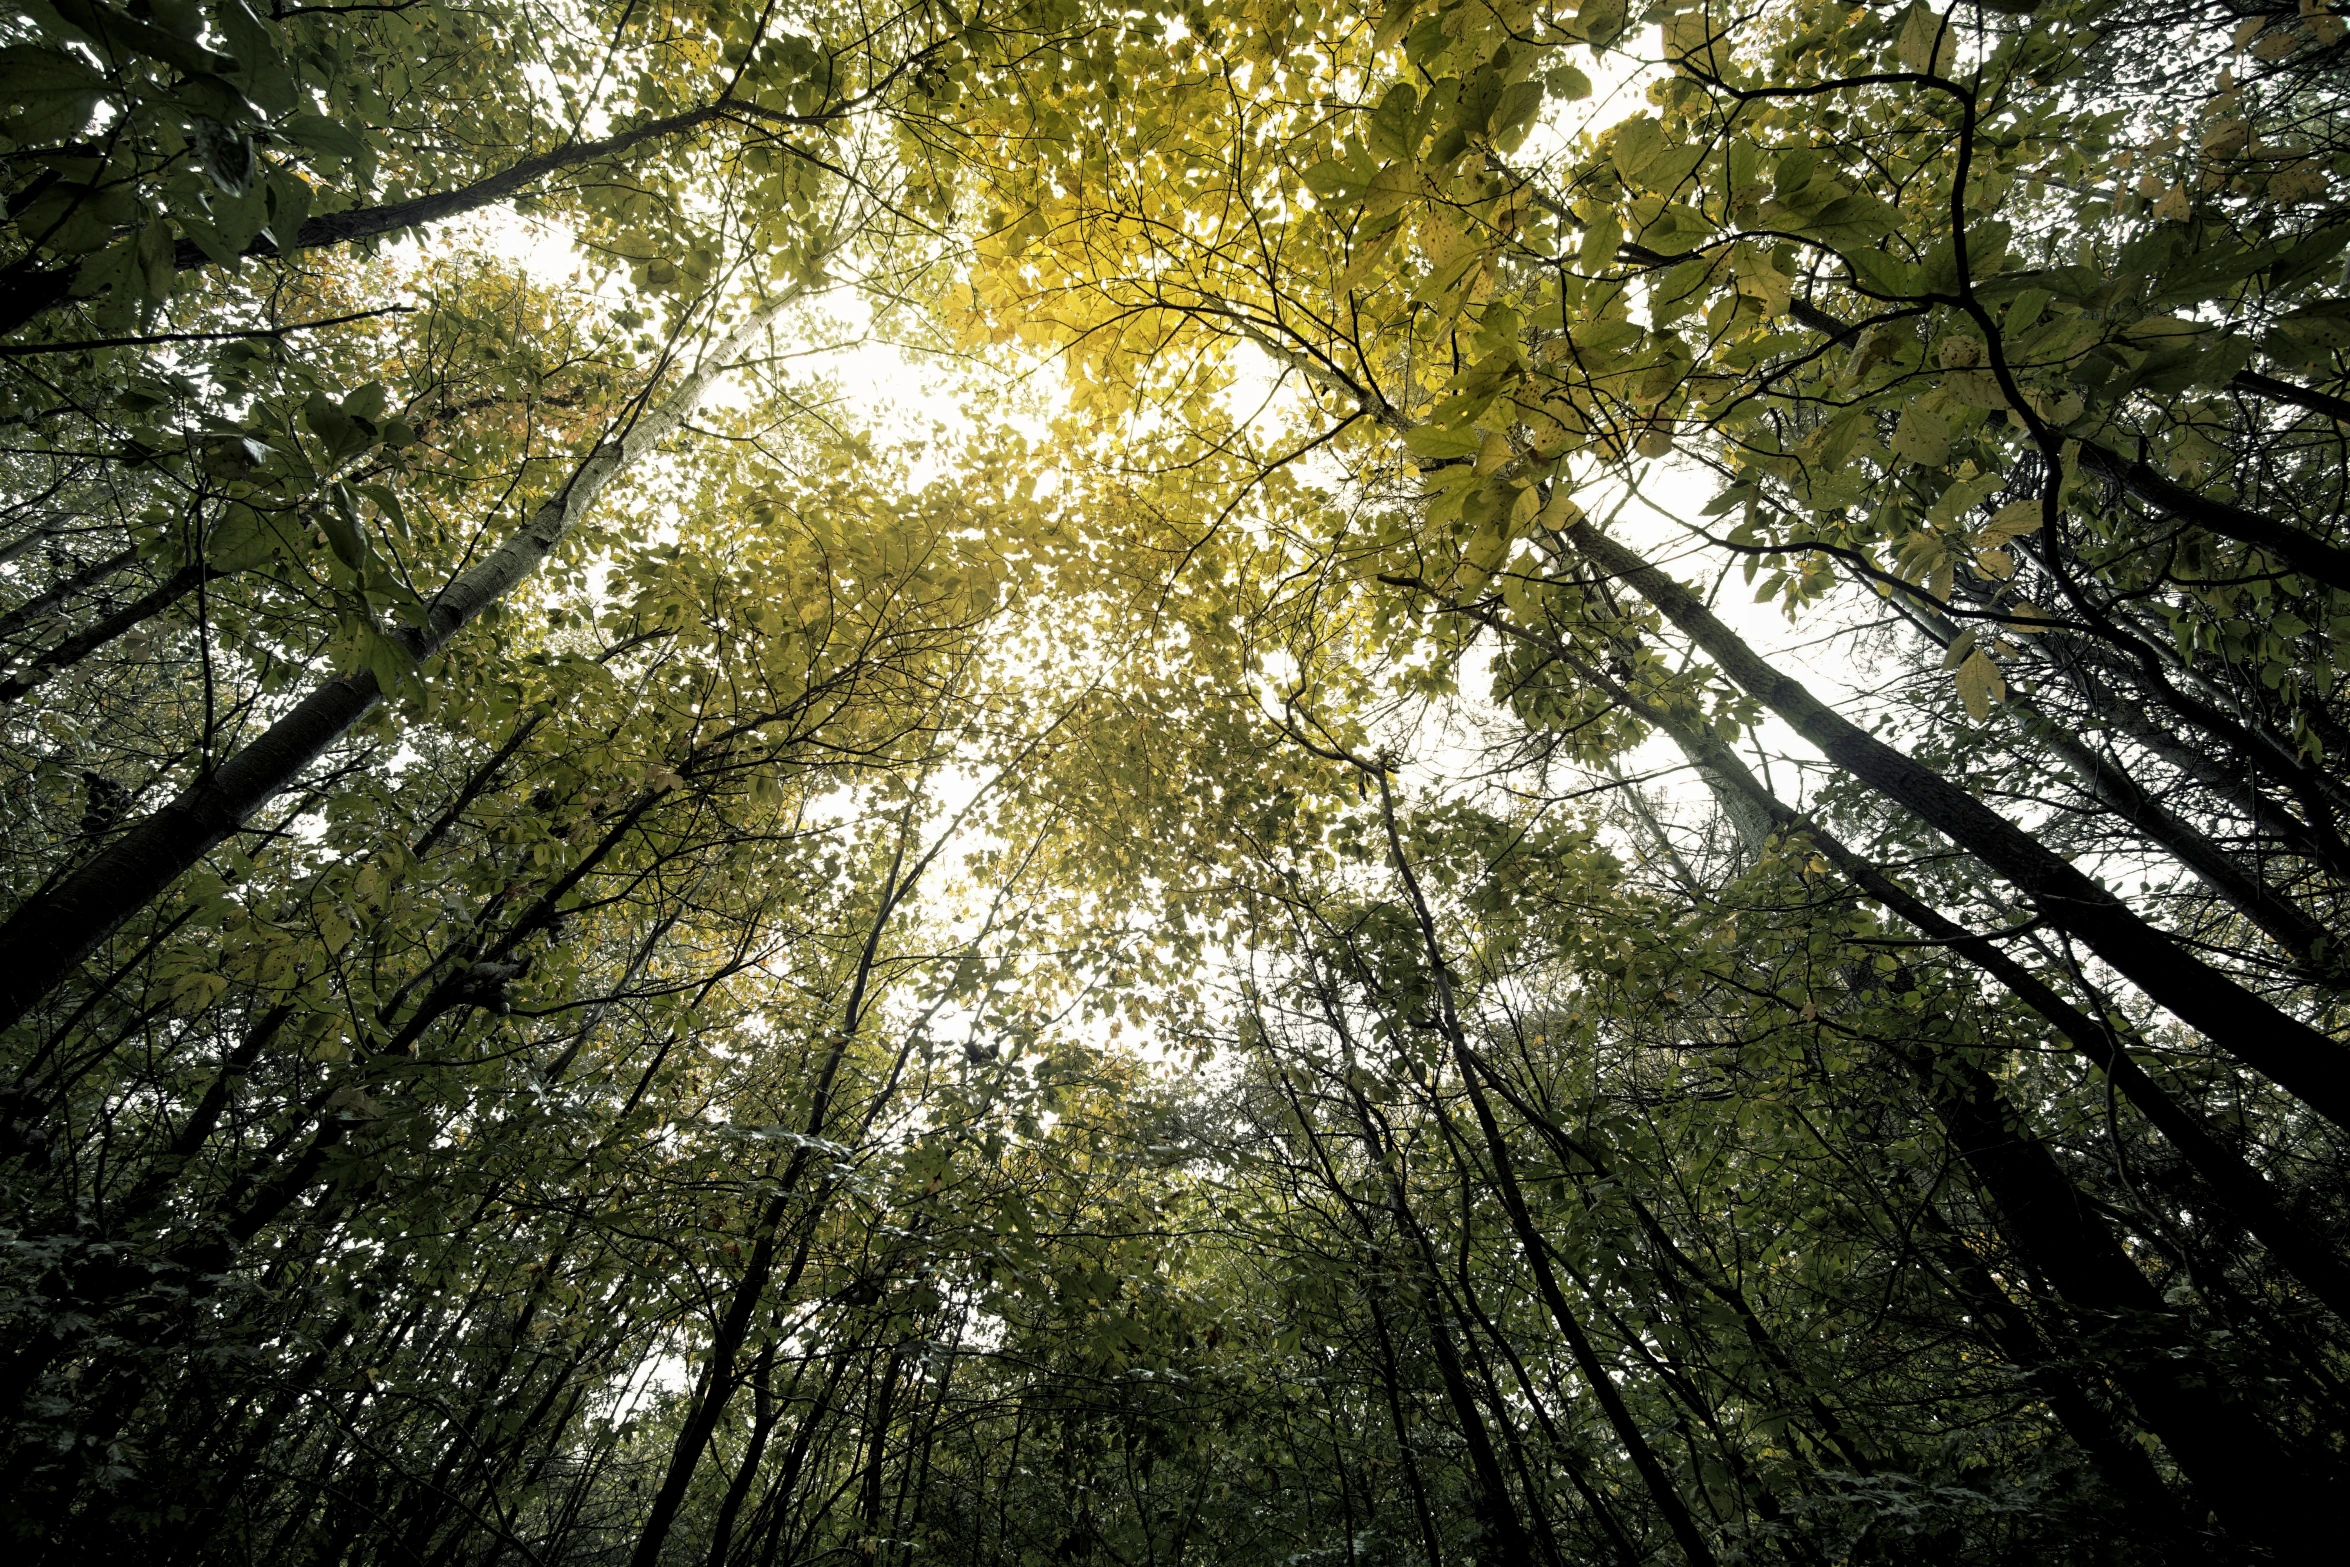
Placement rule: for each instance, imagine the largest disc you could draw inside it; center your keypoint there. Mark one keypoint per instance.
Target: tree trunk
(50, 935)
(33, 609)
(34, 293)
(2299, 1058)
(48, 664)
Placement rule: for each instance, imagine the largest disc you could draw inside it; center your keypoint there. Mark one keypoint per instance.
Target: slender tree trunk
(35, 292)
(1757, 812)
(2237, 1466)
(2313, 839)
(1572, 1151)
(1502, 1534)
(2299, 1058)
(49, 936)
(2111, 785)
(763, 1414)
(1661, 1489)
(716, 1385)
(1389, 1381)
(32, 610)
(54, 661)
(2121, 1460)
(776, 1504)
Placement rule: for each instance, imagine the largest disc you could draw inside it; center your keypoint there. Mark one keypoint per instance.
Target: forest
(1174, 783)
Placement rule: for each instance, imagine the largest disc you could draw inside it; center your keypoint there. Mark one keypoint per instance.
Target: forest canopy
(1451, 783)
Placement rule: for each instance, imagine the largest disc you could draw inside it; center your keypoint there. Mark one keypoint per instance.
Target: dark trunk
(2236, 1464)
(2298, 1057)
(32, 610)
(35, 293)
(52, 662)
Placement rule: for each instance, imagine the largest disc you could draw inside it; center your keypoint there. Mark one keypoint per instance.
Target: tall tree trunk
(50, 935)
(716, 1384)
(34, 292)
(2237, 1466)
(1661, 1489)
(763, 1413)
(2297, 1057)
(1391, 1385)
(51, 662)
(2110, 784)
(31, 611)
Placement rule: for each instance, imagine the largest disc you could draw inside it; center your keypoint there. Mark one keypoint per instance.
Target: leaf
(1758, 276)
(1600, 21)
(1430, 440)
(1882, 274)
(1397, 127)
(1927, 43)
(1514, 115)
(1567, 84)
(240, 541)
(1980, 684)
(158, 267)
(343, 537)
(1636, 144)
(1601, 239)
(1922, 437)
(46, 95)
(320, 134)
(2013, 521)
(1852, 219)
(192, 993)
(260, 56)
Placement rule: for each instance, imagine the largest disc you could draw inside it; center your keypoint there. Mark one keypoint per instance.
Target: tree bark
(33, 294)
(2296, 1056)
(50, 935)
(52, 662)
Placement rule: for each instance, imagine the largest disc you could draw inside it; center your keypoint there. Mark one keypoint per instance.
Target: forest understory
(1249, 783)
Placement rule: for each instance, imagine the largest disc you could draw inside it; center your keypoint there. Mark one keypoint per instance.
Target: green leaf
(260, 55)
(1514, 115)
(1922, 437)
(46, 95)
(1636, 144)
(1882, 274)
(1434, 440)
(1399, 124)
(322, 135)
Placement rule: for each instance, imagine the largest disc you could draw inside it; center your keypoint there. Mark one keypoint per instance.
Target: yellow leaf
(1980, 685)
(2012, 521)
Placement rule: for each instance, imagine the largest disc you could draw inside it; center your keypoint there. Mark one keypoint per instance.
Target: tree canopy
(1452, 783)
